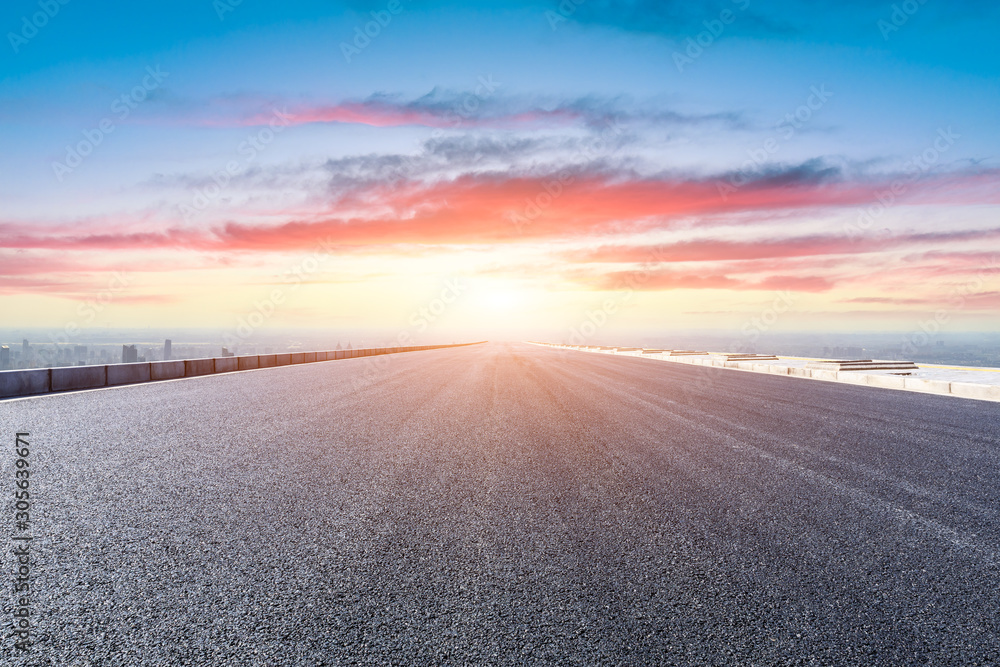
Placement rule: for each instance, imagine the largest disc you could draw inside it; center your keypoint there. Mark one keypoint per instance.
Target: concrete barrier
(79, 377)
(166, 370)
(899, 375)
(932, 386)
(853, 377)
(43, 380)
(972, 390)
(226, 364)
(24, 382)
(887, 381)
(194, 367)
(248, 363)
(128, 374)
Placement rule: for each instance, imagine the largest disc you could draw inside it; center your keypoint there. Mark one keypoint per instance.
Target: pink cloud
(490, 210)
(665, 279)
(385, 114)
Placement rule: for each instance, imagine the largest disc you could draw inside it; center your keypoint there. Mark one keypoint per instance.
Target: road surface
(509, 504)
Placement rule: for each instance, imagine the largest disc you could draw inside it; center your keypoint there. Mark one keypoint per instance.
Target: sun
(501, 299)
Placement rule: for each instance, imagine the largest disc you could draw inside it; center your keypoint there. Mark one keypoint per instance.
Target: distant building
(4, 358)
(129, 354)
(227, 353)
(167, 351)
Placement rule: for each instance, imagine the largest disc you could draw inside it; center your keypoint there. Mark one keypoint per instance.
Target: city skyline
(970, 349)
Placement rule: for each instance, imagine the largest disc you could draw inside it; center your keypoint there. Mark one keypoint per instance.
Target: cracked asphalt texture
(509, 504)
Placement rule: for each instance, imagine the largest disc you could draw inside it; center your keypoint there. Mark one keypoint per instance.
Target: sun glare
(502, 299)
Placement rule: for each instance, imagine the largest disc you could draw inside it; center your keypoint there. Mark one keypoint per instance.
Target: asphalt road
(509, 504)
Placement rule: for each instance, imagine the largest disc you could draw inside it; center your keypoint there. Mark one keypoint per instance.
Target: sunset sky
(674, 165)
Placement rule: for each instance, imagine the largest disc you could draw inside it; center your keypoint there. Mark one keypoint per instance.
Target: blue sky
(411, 152)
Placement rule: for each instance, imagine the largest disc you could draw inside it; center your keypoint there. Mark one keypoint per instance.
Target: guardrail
(35, 381)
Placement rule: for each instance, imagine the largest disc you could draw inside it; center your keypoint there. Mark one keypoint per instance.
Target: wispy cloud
(446, 109)
(713, 250)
